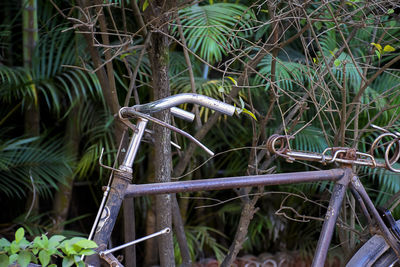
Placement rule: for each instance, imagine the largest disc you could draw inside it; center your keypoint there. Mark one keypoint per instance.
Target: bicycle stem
(134, 145)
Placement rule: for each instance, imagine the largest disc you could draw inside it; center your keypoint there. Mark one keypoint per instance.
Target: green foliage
(290, 75)
(43, 249)
(49, 79)
(96, 130)
(24, 160)
(200, 238)
(211, 30)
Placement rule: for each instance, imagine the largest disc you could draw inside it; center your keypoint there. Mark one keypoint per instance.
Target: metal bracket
(105, 166)
(279, 145)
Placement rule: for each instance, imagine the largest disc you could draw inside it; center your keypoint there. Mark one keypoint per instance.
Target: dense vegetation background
(322, 71)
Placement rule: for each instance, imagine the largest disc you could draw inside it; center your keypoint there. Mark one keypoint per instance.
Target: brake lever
(149, 137)
(170, 127)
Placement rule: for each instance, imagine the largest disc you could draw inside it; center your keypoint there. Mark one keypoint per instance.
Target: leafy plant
(208, 28)
(42, 249)
(200, 237)
(25, 159)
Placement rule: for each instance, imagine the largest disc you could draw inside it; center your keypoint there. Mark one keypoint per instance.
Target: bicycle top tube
(178, 99)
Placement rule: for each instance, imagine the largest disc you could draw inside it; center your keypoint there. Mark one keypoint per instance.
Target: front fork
(121, 179)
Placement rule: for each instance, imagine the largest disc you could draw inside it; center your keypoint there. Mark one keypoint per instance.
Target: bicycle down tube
(343, 178)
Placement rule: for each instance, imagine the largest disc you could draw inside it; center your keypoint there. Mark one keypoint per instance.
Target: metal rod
(134, 145)
(328, 227)
(134, 190)
(387, 235)
(182, 114)
(364, 209)
(164, 231)
(96, 221)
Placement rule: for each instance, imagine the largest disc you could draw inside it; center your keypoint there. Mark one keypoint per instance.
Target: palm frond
(24, 161)
(201, 237)
(49, 78)
(290, 75)
(96, 129)
(310, 139)
(208, 28)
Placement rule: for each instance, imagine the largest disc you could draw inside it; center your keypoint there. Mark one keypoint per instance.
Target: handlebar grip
(182, 114)
(178, 99)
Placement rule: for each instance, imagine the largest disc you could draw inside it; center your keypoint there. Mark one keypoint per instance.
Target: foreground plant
(43, 249)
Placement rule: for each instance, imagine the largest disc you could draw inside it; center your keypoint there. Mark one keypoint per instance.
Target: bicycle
(343, 178)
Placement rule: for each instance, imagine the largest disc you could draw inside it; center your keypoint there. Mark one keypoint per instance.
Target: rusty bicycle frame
(342, 177)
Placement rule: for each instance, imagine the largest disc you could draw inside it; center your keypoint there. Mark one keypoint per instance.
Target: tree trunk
(32, 112)
(129, 231)
(151, 248)
(158, 55)
(162, 138)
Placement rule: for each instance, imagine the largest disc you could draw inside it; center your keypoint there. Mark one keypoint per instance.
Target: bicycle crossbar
(135, 190)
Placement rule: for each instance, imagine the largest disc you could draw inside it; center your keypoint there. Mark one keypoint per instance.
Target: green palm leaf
(210, 29)
(290, 75)
(24, 158)
(49, 78)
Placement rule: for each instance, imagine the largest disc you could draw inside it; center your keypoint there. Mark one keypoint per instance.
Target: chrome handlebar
(175, 100)
(143, 111)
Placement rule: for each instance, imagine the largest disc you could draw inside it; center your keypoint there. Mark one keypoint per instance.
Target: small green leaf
(52, 265)
(145, 4)
(124, 55)
(14, 247)
(3, 260)
(13, 258)
(24, 257)
(4, 242)
(44, 257)
(233, 80)
(86, 244)
(23, 243)
(45, 241)
(241, 102)
(38, 242)
(87, 252)
(337, 62)
(390, 11)
(378, 54)
(249, 113)
(389, 48)
(55, 240)
(378, 46)
(77, 259)
(221, 89)
(69, 250)
(68, 261)
(19, 234)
